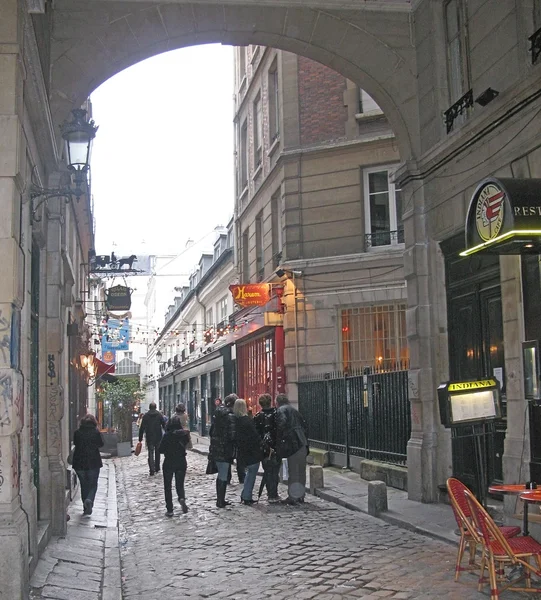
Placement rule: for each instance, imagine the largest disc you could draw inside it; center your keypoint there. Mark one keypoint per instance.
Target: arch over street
(92, 41)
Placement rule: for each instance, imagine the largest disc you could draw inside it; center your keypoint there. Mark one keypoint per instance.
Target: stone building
(459, 84)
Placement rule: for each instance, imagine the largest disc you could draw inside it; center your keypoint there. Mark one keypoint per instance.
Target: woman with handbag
(86, 459)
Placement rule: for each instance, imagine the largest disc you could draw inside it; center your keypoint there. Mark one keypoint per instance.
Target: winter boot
(221, 487)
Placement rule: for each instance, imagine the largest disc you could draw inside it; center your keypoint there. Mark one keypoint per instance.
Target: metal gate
(358, 415)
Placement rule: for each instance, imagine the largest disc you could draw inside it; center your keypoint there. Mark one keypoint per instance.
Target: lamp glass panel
(78, 151)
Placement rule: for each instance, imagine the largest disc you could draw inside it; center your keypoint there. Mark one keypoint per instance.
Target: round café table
(530, 497)
(515, 489)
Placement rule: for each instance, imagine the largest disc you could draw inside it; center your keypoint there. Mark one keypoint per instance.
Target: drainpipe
(296, 326)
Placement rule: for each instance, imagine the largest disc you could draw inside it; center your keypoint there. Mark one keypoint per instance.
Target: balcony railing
(457, 109)
(535, 48)
(384, 238)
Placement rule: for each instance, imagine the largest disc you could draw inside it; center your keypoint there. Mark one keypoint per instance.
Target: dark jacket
(222, 435)
(86, 455)
(265, 423)
(173, 447)
(247, 441)
(152, 425)
(291, 433)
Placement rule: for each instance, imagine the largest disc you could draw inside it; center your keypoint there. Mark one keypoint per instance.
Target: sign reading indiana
(118, 297)
(250, 294)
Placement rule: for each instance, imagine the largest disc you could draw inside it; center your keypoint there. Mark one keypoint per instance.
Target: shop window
(374, 338)
(274, 104)
(383, 209)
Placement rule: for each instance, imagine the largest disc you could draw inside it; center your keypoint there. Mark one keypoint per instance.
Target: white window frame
(393, 217)
(258, 131)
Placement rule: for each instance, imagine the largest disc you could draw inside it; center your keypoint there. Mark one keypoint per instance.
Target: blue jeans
(223, 470)
(89, 483)
(249, 481)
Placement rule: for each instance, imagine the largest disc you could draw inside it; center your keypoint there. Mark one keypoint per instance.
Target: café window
(373, 338)
(383, 209)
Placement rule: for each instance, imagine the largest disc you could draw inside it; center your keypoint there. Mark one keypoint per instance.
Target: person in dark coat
(222, 446)
(265, 423)
(152, 425)
(292, 443)
(248, 445)
(86, 460)
(173, 447)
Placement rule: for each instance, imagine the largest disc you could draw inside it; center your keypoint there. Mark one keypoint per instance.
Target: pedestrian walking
(248, 444)
(86, 459)
(173, 447)
(265, 423)
(152, 425)
(180, 412)
(222, 446)
(292, 443)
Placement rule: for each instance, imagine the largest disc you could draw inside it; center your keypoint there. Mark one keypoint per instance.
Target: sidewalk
(348, 489)
(84, 565)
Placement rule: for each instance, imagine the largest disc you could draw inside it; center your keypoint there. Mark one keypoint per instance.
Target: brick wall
(321, 101)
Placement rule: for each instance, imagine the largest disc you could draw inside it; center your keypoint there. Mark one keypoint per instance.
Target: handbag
(212, 467)
(70, 457)
(138, 448)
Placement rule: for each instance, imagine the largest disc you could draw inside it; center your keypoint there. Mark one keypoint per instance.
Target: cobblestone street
(319, 550)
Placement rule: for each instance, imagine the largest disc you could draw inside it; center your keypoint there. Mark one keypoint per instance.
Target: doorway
(475, 335)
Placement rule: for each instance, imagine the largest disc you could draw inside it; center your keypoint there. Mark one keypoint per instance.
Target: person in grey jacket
(292, 443)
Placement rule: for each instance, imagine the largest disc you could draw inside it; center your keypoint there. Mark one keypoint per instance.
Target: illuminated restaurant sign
(504, 217)
(250, 294)
(469, 401)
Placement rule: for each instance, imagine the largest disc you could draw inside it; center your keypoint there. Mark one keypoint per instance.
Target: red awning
(103, 368)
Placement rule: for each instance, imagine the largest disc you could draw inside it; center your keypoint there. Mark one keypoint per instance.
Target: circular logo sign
(489, 211)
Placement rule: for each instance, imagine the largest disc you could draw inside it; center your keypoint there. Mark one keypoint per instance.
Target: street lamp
(159, 355)
(78, 136)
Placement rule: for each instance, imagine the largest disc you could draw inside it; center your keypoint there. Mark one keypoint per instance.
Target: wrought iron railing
(457, 109)
(384, 238)
(365, 415)
(535, 48)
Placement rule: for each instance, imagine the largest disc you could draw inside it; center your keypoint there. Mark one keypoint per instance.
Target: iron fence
(358, 415)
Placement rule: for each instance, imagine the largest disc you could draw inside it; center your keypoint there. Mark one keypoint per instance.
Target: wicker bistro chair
(469, 536)
(505, 552)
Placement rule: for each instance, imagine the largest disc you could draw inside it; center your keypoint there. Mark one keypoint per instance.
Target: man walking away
(222, 445)
(173, 447)
(265, 423)
(151, 426)
(292, 443)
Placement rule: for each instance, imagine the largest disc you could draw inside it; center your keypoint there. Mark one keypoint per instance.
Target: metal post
(348, 420)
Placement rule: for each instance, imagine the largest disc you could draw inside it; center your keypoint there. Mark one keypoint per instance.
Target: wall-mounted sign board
(469, 401)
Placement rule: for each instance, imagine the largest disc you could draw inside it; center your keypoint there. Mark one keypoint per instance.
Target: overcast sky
(162, 163)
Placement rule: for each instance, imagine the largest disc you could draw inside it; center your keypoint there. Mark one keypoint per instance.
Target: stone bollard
(316, 479)
(377, 498)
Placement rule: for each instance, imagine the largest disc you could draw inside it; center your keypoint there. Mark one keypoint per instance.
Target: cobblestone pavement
(319, 550)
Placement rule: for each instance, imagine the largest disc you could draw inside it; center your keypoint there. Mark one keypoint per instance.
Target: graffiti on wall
(15, 466)
(5, 349)
(6, 400)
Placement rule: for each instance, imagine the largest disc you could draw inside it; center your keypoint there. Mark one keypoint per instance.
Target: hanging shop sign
(504, 217)
(118, 297)
(109, 357)
(250, 294)
(115, 335)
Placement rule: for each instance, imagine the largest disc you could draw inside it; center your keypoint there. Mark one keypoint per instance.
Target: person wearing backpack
(265, 423)
(173, 447)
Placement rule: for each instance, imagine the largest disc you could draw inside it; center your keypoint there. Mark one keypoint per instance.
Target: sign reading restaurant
(250, 294)
(504, 217)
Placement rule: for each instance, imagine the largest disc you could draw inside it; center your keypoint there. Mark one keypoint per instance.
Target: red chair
(468, 534)
(503, 551)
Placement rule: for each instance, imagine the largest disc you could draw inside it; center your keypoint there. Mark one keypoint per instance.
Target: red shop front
(260, 366)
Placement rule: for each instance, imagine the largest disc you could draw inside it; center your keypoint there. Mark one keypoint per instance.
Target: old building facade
(418, 59)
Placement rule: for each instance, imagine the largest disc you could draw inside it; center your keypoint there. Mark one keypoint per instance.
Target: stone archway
(94, 40)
